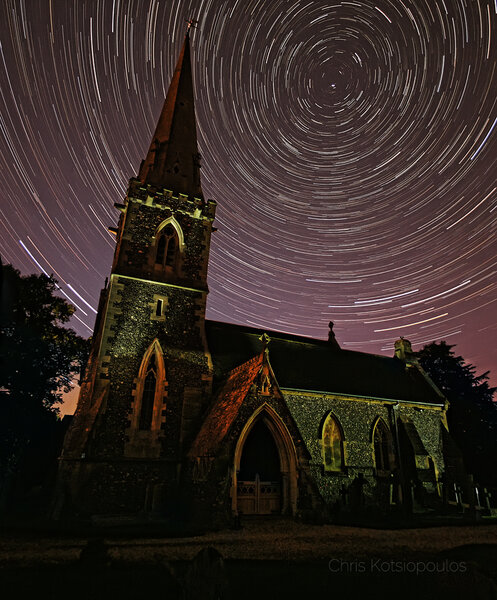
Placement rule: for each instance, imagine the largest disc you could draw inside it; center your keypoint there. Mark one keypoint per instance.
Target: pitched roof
(172, 160)
(226, 406)
(302, 363)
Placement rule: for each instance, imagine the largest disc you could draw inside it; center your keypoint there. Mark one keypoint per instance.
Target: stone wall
(145, 210)
(111, 464)
(357, 418)
(132, 331)
(209, 495)
(91, 487)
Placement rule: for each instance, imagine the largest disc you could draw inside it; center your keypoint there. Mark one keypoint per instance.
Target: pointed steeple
(173, 161)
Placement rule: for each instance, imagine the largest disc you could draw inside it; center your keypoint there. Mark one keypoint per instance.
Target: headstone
(206, 577)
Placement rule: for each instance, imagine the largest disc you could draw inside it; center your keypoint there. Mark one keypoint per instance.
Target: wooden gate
(259, 497)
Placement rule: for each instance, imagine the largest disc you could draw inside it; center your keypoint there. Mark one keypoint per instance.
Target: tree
(472, 414)
(40, 359)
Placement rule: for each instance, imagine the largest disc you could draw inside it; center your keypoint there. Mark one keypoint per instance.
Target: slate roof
(225, 408)
(302, 363)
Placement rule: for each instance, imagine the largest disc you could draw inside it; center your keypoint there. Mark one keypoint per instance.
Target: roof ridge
(299, 339)
(272, 333)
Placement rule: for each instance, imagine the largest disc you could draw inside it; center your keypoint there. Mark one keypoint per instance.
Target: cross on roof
(191, 23)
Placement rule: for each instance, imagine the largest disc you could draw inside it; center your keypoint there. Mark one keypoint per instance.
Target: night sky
(351, 147)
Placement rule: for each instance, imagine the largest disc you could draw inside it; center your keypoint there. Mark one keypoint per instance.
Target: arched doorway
(265, 467)
(259, 478)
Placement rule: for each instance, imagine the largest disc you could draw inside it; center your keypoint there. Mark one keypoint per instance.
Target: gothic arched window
(150, 391)
(332, 445)
(167, 247)
(161, 250)
(148, 395)
(171, 250)
(382, 447)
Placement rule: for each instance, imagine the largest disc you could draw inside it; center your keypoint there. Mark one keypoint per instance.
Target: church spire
(173, 161)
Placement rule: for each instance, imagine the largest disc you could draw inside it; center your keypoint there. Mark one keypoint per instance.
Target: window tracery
(167, 247)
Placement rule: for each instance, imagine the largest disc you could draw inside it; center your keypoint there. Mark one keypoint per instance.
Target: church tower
(149, 375)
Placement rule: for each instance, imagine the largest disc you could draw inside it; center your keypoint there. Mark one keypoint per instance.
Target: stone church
(187, 418)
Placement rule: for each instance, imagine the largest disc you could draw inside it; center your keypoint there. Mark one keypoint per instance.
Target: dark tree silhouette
(472, 415)
(40, 358)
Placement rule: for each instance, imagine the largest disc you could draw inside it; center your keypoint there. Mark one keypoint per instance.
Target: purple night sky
(351, 147)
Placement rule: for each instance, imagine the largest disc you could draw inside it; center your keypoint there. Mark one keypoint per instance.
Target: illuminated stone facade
(196, 420)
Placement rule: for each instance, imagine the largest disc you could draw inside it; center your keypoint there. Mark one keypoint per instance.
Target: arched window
(171, 250)
(147, 417)
(161, 250)
(332, 445)
(167, 247)
(150, 390)
(382, 447)
(148, 395)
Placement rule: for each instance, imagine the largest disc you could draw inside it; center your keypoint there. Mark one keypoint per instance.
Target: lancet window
(382, 446)
(148, 395)
(150, 391)
(167, 247)
(333, 445)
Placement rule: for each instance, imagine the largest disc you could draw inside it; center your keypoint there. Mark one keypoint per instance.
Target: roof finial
(265, 339)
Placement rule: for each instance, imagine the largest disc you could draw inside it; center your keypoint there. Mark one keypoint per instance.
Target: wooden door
(259, 497)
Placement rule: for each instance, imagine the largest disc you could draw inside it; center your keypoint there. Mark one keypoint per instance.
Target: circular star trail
(351, 147)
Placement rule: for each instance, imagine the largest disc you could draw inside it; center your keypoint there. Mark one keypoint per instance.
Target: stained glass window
(332, 445)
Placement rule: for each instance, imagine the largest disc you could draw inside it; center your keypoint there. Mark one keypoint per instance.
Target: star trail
(351, 147)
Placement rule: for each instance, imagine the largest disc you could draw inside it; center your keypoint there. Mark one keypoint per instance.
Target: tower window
(147, 417)
(161, 250)
(167, 246)
(158, 307)
(148, 396)
(171, 252)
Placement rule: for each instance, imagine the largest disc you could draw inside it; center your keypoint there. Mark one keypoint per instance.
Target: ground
(266, 558)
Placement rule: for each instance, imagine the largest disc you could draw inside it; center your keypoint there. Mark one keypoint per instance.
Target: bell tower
(150, 374)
